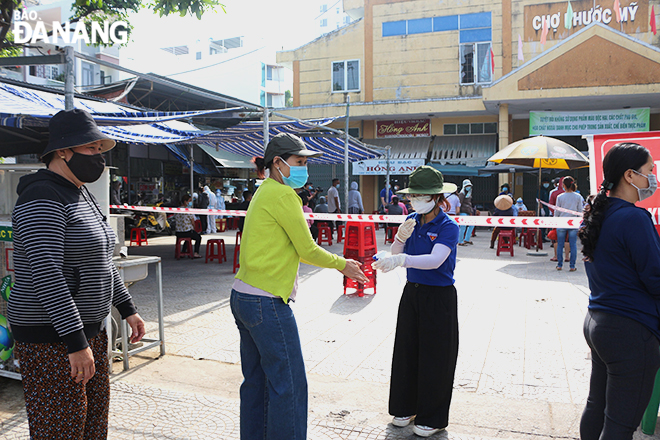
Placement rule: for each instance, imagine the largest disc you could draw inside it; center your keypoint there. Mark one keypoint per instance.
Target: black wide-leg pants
(425, 353)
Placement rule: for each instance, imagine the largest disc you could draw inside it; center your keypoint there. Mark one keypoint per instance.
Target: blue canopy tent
(25, 112)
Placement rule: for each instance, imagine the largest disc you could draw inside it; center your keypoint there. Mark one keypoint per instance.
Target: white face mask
(645, 193)
(423, 204)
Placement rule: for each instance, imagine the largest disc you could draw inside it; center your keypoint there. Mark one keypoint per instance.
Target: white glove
(388, 262)
(406, 230)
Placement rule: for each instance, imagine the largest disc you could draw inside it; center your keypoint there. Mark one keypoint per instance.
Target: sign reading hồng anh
(378, 167)
(403, 128)
(593, 122)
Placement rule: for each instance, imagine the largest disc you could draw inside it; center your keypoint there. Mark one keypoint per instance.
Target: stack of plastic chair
(221, 224)
(505, 241)
(360, 245)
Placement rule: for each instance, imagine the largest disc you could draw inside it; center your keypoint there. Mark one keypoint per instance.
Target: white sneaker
(426, 431)
(402, 421)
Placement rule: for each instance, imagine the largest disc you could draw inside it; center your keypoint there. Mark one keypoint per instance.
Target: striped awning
(22, 107)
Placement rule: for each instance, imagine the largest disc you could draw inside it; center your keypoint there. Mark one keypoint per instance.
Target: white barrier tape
(468, 220)
(557, 208)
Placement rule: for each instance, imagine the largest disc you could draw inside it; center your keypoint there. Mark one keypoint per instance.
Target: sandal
(468, 242)
(553, 259)
(559, 267)
(462, 244)
(568, 260)
(572, 269)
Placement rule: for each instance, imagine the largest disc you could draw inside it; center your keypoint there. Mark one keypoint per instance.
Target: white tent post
(346, 177)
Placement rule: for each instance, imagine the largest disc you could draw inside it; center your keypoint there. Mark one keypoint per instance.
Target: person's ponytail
(594, 213)
(622, 157)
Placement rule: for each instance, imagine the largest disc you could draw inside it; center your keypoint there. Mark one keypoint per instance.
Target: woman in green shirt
(275, 240)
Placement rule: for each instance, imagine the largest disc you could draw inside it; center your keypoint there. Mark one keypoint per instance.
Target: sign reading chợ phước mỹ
(594, 122)
(378, 167)
(633, 15)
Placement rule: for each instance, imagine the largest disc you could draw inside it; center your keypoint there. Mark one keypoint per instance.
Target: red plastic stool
(237, 251)
(215, 250)
(186, 241)
(340, 233)
(136, 236)
(360, 241)
(390, 239)
(505, 241)
(370, 274)
(325, 235)
(220, 224)
(376, 224)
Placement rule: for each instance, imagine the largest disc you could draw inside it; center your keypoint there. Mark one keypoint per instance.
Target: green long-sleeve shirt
(276, 238)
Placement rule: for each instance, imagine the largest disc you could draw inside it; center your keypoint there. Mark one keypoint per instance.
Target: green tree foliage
(288, 99)
(106, 10)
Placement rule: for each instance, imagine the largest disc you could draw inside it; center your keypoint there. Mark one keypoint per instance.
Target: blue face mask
(189, 204)
(297, 176)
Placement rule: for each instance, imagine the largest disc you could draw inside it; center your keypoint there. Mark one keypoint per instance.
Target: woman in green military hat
(426, 341)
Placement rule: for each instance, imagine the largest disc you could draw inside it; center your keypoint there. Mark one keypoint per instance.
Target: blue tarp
(21, 107)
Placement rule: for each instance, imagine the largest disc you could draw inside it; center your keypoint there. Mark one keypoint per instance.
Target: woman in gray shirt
(573, 201)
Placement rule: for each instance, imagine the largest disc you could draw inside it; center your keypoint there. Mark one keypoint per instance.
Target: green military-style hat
(427, 180)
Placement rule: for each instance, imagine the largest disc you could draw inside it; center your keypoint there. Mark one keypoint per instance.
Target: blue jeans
(572, 243)
(274, 389)
(462, 235)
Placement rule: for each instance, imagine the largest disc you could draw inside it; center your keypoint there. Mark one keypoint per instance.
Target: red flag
(544, 31)
(653, 28)
(492, 61)
(617, 10)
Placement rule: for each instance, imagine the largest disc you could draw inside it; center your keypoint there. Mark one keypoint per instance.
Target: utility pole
(68, 78)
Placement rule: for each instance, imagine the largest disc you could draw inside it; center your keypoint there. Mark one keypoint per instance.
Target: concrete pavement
(522, 371)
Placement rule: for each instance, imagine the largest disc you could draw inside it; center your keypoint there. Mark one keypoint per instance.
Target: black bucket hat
(286, 143)
(73, 128)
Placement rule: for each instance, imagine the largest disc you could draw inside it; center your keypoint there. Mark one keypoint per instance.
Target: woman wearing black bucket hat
(426, 340)
(65, 284)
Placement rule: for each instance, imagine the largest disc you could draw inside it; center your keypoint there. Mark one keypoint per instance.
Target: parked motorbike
(153, 222)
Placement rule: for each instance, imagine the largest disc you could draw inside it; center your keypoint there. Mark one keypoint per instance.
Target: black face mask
(87, 168)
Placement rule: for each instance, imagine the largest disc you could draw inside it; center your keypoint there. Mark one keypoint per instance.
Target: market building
(450, 83)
